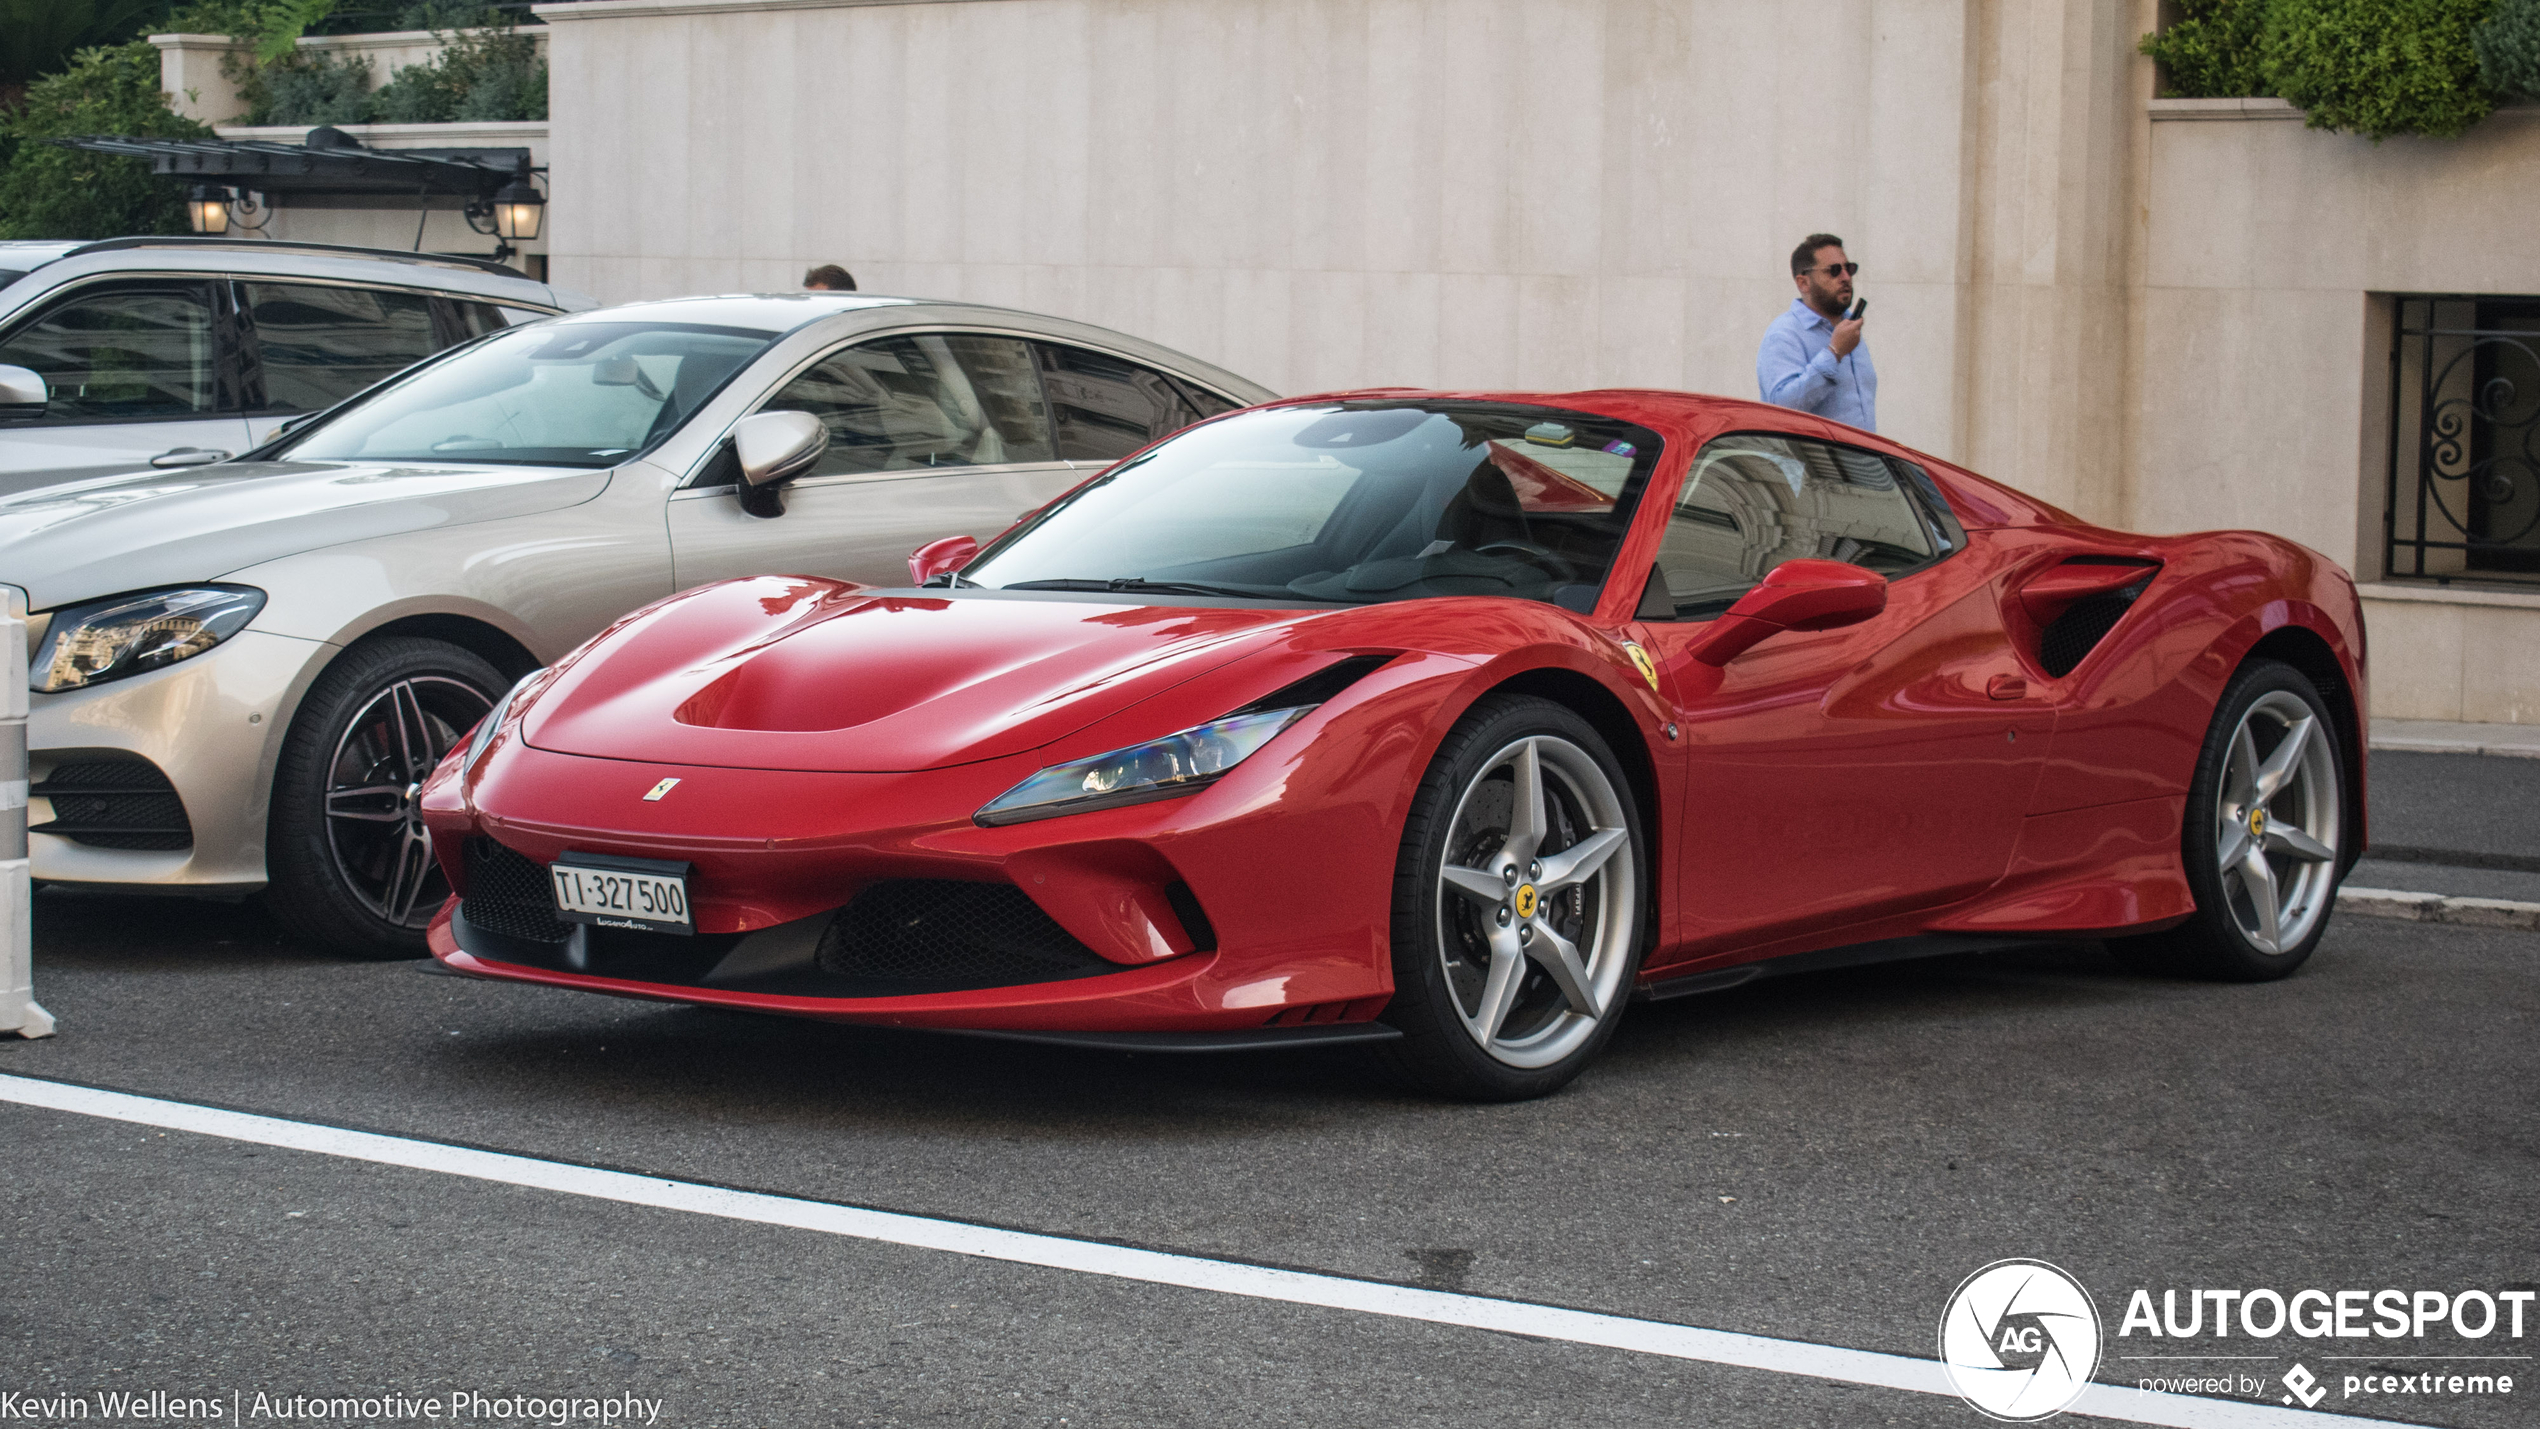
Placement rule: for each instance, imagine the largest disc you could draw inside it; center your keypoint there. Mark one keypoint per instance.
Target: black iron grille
(508, 893)
(2078, 630)
(119, 803)
(948, 936)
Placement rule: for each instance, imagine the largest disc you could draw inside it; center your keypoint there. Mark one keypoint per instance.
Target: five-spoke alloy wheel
(1518, 904)
(349, 860)
(2265, 833)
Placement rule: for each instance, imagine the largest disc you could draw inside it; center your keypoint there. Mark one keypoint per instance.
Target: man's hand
(1847, 336)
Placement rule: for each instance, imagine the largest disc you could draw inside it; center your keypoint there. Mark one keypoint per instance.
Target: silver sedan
(243, 672)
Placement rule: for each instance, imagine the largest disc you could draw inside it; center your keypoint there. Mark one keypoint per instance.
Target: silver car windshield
(557, 394)
(1349, 502)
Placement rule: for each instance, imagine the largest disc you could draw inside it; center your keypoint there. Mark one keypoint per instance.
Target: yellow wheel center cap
(2257, 823)
(1525, 900)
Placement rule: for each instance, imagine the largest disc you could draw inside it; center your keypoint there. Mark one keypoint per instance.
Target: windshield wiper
(1138, 585)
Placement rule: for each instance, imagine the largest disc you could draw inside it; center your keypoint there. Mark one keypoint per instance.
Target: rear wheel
(2265, 834)
(347, 857)
(1518, 899)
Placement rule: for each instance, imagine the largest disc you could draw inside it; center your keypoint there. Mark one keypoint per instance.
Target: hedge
(2372, 67)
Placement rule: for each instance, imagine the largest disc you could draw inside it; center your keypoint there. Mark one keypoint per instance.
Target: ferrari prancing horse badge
(1640, 661)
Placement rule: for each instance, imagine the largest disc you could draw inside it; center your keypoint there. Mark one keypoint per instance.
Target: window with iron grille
(2464, 498)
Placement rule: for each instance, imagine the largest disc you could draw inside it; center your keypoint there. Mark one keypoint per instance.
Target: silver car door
(137, 378)
(930, 435)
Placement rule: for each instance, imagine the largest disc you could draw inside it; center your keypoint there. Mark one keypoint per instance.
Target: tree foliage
(2508, 48)
(38, 37)
(52, 192)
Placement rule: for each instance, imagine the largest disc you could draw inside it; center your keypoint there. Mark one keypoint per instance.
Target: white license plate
(612, 892)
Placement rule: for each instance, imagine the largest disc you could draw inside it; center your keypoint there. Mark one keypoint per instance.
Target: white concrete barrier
(19, 1011)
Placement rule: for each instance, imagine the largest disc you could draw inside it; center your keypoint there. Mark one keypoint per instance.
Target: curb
(2408, 745)
(2435, 908)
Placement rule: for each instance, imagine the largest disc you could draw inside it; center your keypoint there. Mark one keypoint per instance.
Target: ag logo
(2020, 1339)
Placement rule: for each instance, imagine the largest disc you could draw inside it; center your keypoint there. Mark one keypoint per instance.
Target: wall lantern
(207, 209)
(513, 215)
(518, 210)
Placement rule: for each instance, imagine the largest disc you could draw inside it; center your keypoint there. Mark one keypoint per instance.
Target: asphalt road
(1818, 1158)
(2456, 824)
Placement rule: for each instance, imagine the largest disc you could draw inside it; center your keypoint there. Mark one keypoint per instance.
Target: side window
(125, 350)
(1753, 502)
(1204, 402)
(1106, 408)
(475, 319)
(946, 399)
(321, 345)
(1946, 531)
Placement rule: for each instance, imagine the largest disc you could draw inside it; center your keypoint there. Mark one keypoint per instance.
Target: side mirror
(1795, 595)
(936, 557)
(22, 392)
(772, 448)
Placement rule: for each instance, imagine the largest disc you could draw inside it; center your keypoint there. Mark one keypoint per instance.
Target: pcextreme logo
(2020, 1339)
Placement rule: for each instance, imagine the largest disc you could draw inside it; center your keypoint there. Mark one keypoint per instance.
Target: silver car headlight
(493, 721)
(130, 634)
(1177, 764)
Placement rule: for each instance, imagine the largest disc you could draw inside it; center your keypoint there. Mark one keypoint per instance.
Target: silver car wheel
(1536, 916)
(2276, 823)
(374, 794)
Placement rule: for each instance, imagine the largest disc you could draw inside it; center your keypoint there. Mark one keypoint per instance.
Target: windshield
(1354, 502)
(557, 394)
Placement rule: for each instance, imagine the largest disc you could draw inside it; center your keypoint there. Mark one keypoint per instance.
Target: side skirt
(1885, 950)
(1249, 1039)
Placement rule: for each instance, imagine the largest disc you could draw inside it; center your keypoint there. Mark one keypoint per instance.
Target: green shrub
(2376, 67)
(481, 75)
(2379, 67)
(447, 15)
(2212, 50)
(306, 87)
(50, 192)
(2508, 48)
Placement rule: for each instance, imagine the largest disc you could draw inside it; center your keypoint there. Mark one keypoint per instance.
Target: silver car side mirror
(22, 392)
(778, 446)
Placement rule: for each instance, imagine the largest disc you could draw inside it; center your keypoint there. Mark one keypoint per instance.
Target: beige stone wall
(1534, 193)
(2161, 314)
(2262, 365)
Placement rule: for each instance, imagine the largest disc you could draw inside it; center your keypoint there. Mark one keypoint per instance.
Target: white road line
(1294, 1287)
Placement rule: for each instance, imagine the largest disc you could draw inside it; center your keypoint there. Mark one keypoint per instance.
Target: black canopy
(330, 162)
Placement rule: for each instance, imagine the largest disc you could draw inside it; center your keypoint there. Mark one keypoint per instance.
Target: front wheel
(347, 856)
(1518, 902)
(2265, 834)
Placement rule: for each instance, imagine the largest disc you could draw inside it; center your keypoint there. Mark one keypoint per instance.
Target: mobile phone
(1859, 306)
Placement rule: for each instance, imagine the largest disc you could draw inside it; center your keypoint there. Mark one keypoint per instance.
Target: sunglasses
(1830, 269)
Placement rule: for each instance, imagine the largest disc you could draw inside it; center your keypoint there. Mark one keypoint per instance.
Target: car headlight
(129, 634)
(1166, 768)
(493, 721)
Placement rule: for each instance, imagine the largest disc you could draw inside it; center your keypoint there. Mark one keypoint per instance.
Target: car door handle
(2006, 687)
(187, 456)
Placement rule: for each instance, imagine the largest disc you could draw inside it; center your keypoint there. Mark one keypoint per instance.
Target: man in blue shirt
(1813, 357)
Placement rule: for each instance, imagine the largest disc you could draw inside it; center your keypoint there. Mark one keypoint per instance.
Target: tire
(347, 860)
(1492, 1010)
(2266, 835)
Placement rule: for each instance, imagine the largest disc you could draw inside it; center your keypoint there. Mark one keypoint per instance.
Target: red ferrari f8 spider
(1450, 721)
